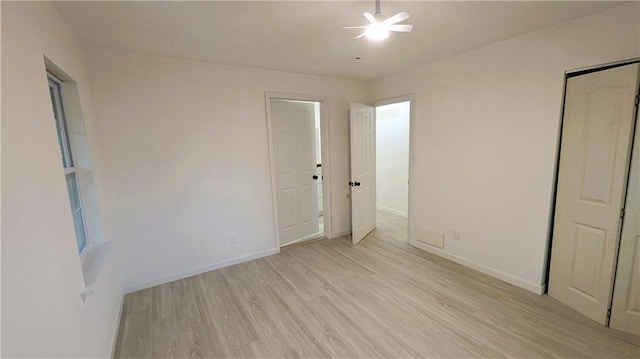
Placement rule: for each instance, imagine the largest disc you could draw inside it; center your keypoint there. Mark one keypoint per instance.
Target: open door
(293, 126)
(592, 180)
(363, 171)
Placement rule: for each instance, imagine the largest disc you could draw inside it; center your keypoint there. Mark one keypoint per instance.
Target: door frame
(324, 155)
(412, 159)
(554, 190)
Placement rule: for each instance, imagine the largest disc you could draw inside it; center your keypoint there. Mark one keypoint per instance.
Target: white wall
(486, 133)
(185, 160)
(392, 157)
(42, 312)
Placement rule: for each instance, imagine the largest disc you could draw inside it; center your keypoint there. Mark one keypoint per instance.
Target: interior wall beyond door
(392, 157)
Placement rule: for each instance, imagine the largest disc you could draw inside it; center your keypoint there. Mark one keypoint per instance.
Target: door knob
(357, 184)
(315, 177)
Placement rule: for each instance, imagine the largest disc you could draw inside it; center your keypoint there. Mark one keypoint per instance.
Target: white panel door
(592, 178)
(363, 171)
(625, 309)
(294, 145)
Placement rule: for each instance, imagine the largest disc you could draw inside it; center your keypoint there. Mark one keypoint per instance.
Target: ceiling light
(379, 27)
(377, 32)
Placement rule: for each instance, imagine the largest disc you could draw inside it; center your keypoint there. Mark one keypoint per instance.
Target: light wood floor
(381, 298)
(390, 226)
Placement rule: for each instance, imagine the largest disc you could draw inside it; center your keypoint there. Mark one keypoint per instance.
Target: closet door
(592, 181)
(625, 309)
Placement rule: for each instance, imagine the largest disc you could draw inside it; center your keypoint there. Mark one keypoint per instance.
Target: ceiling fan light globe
(377, 32)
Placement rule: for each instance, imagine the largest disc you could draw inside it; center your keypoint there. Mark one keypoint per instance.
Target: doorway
(596, 202)
(392, 169)
(380, 135)
(297, 147)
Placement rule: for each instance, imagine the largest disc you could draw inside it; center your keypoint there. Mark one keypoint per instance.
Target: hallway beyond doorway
(390, 227)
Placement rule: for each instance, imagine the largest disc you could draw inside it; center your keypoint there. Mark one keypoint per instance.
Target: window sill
(92, 264)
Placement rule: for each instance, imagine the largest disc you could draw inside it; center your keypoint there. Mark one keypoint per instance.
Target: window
(55, 90)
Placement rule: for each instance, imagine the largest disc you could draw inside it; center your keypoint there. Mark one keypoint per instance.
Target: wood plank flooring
(390, 226)
(381, 298)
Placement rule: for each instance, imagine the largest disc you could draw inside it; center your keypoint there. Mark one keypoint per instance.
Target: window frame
(68, 157)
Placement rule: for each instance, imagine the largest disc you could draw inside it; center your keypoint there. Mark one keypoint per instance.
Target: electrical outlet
(456, 234)
(233, 238)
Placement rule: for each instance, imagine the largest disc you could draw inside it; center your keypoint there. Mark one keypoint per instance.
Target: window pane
(81, 236)
(58, 129)
(72, 187)
(76, 211)
(58, 115)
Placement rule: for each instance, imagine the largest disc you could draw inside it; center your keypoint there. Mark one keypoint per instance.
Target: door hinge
(608, 313)
(637, 100)
(622, 213)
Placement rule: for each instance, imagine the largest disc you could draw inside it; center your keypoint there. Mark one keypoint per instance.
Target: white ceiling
(307, 37)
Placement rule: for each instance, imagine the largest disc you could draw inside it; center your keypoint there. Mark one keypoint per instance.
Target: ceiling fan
(380, 26)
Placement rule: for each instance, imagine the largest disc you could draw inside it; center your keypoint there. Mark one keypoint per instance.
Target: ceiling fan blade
(355, 27)
(370, 17)
(361, 35)
(401, 16)
(401, 28)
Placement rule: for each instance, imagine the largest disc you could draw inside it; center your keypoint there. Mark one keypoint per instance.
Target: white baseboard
(114, 339)
(340, 234)
(130, 288)
(532, 287)
(391, 210)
